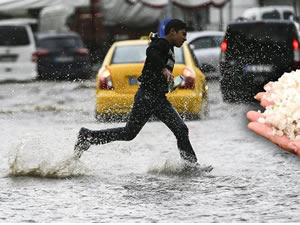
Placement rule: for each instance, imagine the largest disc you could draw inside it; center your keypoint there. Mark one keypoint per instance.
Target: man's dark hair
(176, 24)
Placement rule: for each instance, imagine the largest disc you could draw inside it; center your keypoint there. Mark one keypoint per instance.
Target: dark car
(61, 56)
(254, 53)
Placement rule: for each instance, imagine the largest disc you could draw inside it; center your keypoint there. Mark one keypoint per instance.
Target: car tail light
(105, 81)
(224, 46)
(189, 79)
(40, 52)
(295, 44)
(82, 51)
(223, 50)
(223, 53)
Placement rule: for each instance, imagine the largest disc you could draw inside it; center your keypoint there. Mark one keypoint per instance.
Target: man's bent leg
(140, 114)
(168, 115)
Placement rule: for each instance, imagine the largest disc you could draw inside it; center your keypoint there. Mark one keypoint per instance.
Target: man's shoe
(83, 143)
(206, 168)
(195, 167)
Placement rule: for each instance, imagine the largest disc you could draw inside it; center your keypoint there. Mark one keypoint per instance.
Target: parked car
(270, 12)
(16, 47)
(254, 53)
(61, 56)
(206, 46)
(117, 80)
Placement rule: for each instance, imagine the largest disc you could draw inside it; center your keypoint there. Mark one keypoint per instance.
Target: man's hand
(169, 76)
(265, 130)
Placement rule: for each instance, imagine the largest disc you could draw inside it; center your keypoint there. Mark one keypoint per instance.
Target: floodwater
(138, 181)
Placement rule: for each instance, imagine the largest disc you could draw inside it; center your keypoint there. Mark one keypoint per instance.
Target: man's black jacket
(160, 54)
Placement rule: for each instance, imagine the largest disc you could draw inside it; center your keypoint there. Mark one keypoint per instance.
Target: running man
(150, 98)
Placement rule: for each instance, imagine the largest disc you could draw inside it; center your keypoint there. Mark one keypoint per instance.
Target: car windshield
(137, 54)
(287, 15)
(13, 36)
(60, 43)
(207, 42)
(271, 15)
(261, 42)
(260, 32)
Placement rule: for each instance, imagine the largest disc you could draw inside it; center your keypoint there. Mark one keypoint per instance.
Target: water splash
(177, 168)
(34, 156)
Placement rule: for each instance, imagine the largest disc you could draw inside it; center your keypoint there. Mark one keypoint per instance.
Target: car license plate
(64, 59)
(8, 58)
(133, 81)
(258, 68)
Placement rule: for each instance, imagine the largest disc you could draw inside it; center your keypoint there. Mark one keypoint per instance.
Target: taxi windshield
(137, 54)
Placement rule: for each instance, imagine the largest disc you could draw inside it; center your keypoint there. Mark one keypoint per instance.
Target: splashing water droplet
(43, 157)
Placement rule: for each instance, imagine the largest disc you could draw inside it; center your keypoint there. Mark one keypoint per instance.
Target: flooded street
(138, 181)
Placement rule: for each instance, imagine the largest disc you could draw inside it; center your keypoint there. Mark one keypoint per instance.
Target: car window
(204, 42)
(260, 32)
(207, 42)
(13, 36)
(271, 15)
(260, 42)
(137, 54)
(194, 57)
(287, 15)
(217, 40)
(129, 54)
(60, 43)
(179, 58)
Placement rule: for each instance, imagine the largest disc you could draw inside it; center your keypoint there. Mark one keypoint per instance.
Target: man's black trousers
(145, 105)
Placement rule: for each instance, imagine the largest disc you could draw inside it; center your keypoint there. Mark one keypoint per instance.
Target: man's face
(179, 37)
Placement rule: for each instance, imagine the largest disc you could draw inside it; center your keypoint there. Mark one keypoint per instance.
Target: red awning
(196, 4)
(187, 4)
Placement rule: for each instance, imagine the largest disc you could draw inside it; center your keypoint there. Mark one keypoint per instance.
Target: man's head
(175, 32)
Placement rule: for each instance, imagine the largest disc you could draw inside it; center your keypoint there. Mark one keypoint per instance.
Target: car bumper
(111, 103)
(247, 82)
(17, 71)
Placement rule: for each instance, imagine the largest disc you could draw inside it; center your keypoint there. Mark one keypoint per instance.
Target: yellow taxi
(117, 80)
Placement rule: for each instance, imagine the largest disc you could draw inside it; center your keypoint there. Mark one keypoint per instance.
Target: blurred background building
(101, 22)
